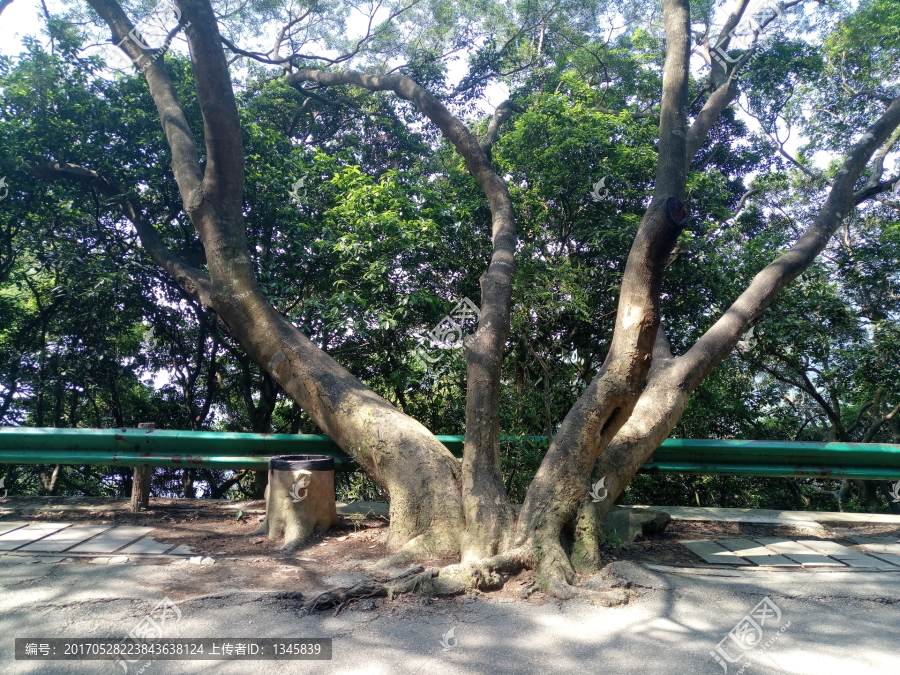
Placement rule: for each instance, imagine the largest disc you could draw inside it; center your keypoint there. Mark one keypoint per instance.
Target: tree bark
(489, 517)
(636, 398)
(670, 385)
(561, 484)
(426, 504)
(140, 489)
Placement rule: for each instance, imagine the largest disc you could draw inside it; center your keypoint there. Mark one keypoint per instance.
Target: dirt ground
(223, 531)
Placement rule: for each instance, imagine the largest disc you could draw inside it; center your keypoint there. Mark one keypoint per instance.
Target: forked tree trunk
(673, 380)
(488, 516)
(561, 485)
(299, 499)
(438, 507)
(399, 453)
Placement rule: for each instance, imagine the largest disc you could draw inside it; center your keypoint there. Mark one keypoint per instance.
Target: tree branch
(721, 338)
(185, 159)
(223, 177)
(487, 512)
(195, 283)
(503, 112)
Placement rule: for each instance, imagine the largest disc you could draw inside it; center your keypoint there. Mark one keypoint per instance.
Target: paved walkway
(770, 516)
(828, 622)
(44, 542)
(40, 539)
(880, 553)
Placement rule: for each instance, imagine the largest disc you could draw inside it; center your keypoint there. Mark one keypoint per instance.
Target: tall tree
(636, 396)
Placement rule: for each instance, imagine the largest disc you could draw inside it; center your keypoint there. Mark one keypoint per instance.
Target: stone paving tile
(8, 527)
(755, 553)
(891, 559)
(846, 555)
(798, 552)
(16, 559)
(182, 550)
(111, 560)
(26, 535)
(146, 545)
(112, 540)
(882, 548)
(859, 539)
(711, 552)
(66, 538)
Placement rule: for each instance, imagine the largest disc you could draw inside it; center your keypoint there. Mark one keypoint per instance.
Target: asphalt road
(817, 622)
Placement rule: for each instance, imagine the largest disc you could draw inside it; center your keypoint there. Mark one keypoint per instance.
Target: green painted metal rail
(876, 461)
(138, 447)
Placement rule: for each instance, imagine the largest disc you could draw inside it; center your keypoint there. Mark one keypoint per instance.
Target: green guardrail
(145, 447)
(876, 461)
(220, 450)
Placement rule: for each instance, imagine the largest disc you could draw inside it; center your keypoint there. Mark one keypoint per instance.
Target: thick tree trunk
(673, 381)
(397, 452)
(418, 472)
(562, 482)
(487, 513)
(438, 507)
(547, 520)
(51, 482)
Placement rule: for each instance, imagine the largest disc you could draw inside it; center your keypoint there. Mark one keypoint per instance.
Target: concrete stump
(299, 499)
(627, 524)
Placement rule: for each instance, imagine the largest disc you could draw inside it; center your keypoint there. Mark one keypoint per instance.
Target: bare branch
(720, 339)
(670, 169)
(486, 507)
(881, 98)
(223, 176)
(878, 160)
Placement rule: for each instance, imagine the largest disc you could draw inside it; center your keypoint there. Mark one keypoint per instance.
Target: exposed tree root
(429, 545)
(484, 575)
(369, 588)
(564, 591)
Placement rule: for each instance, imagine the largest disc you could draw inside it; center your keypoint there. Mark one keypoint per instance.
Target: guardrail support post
(140, 489)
